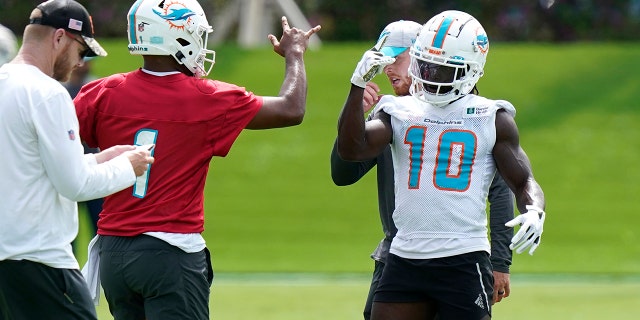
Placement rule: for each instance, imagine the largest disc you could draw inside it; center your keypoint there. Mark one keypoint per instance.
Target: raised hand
(292, 40)
(370, 65)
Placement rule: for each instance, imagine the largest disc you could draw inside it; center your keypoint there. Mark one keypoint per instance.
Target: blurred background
(278, 227)
(354, 20)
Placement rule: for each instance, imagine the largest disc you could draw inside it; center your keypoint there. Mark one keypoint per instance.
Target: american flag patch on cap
(72, 135)
(75, 24)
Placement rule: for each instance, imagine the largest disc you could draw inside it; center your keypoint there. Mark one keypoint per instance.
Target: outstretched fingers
(312, 31)
(285, 24)
(274, 40)
(285, 28)
(293, 39)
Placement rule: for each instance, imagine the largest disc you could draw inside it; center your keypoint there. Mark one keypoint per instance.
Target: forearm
(107, 178)
(289, 107)
(501, 255)
(85, 179)
(530, 194)
(347, 172)
(501, 210)
(499, 264)
(351, 126)
(294, 87)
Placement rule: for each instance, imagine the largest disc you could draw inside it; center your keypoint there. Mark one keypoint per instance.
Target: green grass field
(271, 207)
(339, 296)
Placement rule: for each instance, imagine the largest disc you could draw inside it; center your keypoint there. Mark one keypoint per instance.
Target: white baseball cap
(397, 37)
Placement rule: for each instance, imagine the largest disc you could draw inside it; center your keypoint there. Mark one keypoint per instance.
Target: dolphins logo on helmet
(176, 17)
(483, 42)
(177, 28)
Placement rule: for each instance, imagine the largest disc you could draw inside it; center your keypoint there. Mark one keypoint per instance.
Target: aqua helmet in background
(178, 28)
(448, 57)
(8, 45)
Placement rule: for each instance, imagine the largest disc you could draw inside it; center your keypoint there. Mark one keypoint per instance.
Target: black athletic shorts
(375, 278)
(461, 286)
(31, 290)
(147, 278)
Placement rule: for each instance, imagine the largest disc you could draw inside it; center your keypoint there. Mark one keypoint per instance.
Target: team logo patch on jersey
(471, 112)
(72, 135)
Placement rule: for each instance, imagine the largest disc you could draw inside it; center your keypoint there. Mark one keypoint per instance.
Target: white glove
(370, 65)
(530, 233)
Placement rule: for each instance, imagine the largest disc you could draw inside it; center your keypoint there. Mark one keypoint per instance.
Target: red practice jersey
(189, 119)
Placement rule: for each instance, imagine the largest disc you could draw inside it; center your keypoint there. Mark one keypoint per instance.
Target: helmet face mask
(448, 58)
(178, 28)
(436, 78)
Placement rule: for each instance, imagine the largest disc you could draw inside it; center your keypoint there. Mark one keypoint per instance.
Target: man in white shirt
(43, 171)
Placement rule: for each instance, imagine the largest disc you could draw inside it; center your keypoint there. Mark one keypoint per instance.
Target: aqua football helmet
(8, 45)
(448, 57)
(178, 28)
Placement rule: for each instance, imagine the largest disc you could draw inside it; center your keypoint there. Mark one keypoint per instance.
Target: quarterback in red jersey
(152, 260)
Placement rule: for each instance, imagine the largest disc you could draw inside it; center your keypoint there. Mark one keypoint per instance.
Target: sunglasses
(86, 50)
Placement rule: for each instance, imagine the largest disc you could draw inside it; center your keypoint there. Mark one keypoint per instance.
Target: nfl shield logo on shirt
(72, 135)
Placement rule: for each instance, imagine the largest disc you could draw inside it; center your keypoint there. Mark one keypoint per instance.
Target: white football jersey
(443, 169)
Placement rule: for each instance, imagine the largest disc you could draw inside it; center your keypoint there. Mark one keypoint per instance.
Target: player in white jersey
(447, 144)
(455, 181)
